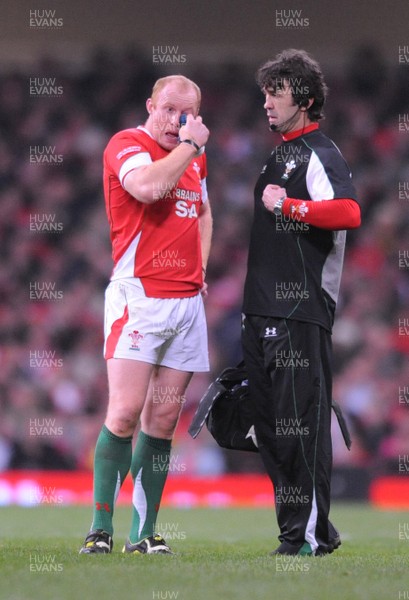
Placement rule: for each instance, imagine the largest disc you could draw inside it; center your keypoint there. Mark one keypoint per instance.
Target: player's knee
(122, 424)
(164, 425)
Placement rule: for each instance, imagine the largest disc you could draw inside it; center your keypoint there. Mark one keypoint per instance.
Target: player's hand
(194, 130)
(272, 193)
(203, 290)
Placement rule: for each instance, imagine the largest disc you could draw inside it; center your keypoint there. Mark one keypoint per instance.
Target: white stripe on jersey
(320, 188)
(125, 266)
(204, 190)
(318, 185)
(135, 161)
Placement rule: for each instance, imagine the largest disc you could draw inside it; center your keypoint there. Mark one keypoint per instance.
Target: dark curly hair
(301, 73)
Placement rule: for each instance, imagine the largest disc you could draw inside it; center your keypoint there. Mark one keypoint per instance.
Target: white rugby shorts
(162, 331)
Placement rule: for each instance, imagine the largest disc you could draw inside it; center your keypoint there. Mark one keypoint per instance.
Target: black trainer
(304, 549)
(287, 549)
(97, 541)
(333, 544)
(154, 544)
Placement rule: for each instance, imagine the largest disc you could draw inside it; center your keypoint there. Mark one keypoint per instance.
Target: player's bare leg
(165, 398)
(128, 382)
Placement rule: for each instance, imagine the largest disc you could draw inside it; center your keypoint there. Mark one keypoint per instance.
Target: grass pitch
(221, 554)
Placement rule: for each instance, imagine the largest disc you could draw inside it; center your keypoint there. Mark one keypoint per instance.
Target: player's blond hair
(183, 82)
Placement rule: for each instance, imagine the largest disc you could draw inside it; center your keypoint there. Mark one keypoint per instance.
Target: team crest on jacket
(136, 337)
(289, 168)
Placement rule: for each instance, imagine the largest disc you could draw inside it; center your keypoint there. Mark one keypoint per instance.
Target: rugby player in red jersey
(155, 329)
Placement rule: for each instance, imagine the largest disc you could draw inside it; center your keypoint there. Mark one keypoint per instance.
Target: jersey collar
(145, 130)
(294, 134)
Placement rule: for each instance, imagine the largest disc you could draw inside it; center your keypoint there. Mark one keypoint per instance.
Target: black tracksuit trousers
(290, 384)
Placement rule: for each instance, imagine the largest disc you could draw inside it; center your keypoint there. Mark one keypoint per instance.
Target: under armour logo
(252, 435)
(104, 506)
(270, 332)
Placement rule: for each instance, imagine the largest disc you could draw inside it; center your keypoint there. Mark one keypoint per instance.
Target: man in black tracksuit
(304, 202)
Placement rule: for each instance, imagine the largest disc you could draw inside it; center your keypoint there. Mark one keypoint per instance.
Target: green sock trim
(112, 460)
(305, 550)
(149, 468)
(116, 438)
(157, 443)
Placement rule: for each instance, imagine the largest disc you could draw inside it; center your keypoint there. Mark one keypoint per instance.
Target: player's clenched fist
(194, 130)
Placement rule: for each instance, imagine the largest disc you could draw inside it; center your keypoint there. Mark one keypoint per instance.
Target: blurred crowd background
(54, 232)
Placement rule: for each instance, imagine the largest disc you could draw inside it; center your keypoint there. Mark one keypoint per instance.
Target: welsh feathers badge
(289, 168)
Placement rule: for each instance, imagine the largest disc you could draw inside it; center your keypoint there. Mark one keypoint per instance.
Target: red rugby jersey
(159, 243)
